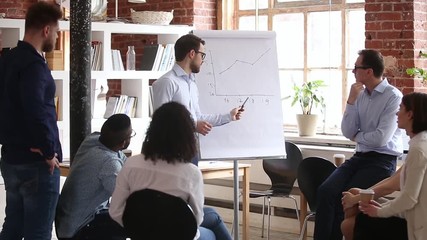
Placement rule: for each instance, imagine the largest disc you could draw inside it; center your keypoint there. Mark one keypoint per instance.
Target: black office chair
(312, 172)
(150, 214)
(282, 173)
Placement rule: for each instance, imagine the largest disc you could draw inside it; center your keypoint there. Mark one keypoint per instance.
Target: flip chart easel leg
(236, 199)
(245, 203)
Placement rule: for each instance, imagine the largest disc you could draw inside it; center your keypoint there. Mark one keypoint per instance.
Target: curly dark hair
(417, 103)
(170, 136)
(185, 44)
(42, 14)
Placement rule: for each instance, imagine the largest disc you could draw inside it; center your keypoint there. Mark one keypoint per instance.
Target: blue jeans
(31, 197)
(212, 226)
(362, 171)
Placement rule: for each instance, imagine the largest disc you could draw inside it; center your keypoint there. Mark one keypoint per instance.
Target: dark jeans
(362, 170)
(369, 228)
(31, 197)
(101, 227)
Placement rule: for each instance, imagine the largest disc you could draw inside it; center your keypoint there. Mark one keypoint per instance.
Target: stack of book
(121, 104)
(96, 55)
(158, 57)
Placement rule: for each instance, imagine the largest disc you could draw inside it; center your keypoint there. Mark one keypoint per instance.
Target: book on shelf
(171, 62)
(117, 60)
(121, 66)
(149, 56)
(114, 61)
(96, 55)
(165, 57)
(159, 54)
(121, 104)
(111, 106)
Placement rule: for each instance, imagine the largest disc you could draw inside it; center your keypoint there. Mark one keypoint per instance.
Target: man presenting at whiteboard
(179, 85)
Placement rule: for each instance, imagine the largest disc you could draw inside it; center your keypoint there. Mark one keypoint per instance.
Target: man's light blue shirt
(178, 86)
(372, 120)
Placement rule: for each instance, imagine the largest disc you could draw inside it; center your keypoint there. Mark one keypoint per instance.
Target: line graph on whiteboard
(241, 65)
(238, 70)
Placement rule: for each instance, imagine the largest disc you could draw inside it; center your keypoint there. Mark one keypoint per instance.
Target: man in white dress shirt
(179, 85)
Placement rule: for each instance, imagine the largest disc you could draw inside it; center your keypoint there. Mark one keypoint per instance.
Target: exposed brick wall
(15, 9)
(198, 13)
(399, 30)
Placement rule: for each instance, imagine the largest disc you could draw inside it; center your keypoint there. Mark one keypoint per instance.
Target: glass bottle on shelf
(130, 58)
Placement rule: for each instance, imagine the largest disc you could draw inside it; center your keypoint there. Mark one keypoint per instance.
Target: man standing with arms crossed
(31, 150)
(369, 120)
(179, 84)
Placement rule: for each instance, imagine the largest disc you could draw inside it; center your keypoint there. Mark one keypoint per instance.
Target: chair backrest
(283, 172)
(150, 214)
(312, 172)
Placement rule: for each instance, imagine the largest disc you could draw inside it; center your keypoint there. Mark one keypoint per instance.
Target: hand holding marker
(243, 105)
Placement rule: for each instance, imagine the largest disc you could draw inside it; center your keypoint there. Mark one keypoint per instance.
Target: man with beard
(31, 150)
(179, 85)
(82, 211)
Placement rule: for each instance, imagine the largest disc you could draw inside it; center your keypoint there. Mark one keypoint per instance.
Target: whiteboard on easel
(241, 64)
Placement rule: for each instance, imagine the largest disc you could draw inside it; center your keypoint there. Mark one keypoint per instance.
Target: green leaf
(307, 95)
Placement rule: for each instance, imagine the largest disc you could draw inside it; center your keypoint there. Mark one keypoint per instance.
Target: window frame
(228, 19)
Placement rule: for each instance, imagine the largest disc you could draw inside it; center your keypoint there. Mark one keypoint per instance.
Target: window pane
(350, 80)
(289, 39)
(332, 93)
(251, 4)
(248, 23)
(355, 35)
(287, 81)
(324, 39)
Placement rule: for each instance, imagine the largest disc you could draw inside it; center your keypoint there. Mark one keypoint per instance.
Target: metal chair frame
(282, 173)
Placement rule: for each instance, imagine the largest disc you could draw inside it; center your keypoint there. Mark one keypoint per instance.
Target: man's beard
(47, 46)
(194, 68)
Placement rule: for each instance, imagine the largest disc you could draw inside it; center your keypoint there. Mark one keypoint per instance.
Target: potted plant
(308, 96)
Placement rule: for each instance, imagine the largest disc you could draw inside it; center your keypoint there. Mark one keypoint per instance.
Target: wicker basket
(151, 17)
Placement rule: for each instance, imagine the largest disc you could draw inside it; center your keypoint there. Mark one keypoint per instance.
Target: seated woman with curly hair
(165, 165)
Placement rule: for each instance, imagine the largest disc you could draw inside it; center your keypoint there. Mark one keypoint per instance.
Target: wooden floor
(255, 234)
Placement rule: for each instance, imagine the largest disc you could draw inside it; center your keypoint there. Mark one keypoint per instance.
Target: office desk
(216, 169)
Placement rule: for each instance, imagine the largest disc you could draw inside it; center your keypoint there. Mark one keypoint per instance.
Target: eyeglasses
(203, 54)
(361, 67)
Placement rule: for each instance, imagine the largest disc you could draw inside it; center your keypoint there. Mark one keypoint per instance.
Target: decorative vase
(307, 124)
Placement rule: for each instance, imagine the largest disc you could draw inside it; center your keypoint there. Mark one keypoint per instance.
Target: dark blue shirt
(27, 108)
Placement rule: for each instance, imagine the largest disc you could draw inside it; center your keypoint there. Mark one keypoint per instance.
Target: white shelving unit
(133, 83)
